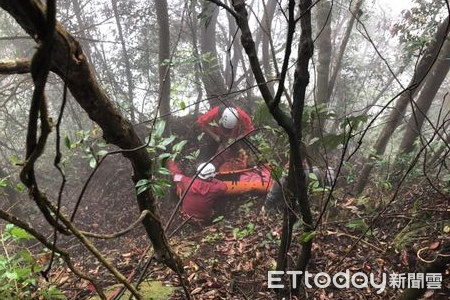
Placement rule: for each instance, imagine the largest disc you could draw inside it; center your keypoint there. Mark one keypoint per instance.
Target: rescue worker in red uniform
(222, 124)
(199, 200)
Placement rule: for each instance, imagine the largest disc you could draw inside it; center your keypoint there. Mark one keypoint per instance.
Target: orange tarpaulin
(256, 180)
(242, 187)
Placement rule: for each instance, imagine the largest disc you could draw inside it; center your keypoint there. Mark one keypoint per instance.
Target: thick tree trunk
(301, 81)
(83, 34)
(196, 53)
(267, 55)
(323, 45)
(212, 76)
(18, 66)
(70, 63)
(427, 94)
(292, 126)
(234, 56)
(438, 154)
(340, 54)
(126, 60)
(423, 67)
(162, 15)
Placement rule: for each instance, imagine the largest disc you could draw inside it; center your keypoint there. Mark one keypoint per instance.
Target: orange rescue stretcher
(249, 180)
(241, 179)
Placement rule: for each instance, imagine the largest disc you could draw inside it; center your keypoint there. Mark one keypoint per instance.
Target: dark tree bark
(126, 60)
(423, 67)
(433, 82)
(162, 15)
(233, 55)
(439, 154)
(267, 55)
(343, 46)
(83, 34)
(70, 63)
(235, 60)
(212, 76)
(323, 43)
(196, 53)
(292, 125)
(301, 81)
(18, 66)
(95, 54)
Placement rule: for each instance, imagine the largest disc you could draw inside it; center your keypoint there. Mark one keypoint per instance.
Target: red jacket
(244, 126)
(199, 200)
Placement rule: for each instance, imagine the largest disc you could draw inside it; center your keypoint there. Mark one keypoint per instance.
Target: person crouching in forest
(204, 191)
(221, 124)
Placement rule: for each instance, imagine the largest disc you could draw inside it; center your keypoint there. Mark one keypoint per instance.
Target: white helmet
(229, 118)
(206, 170)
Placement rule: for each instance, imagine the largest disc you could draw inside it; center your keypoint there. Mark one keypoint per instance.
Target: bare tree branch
(18, 66)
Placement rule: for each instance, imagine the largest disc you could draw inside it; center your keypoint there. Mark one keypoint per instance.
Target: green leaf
(163, 158)
(23, 272)
(20, 187)
(161, 147)
(142, 182)
(358, 224)
(142, 189)
(218, 219)
(53, 293)
(276, 173)
(313, 177)
(14, 159)
(142, 185)
(163, 182)
(102, 153)
(179, 146)
(92, 162)
(158, 190)
(200, 136)
(4, 181)
(159, 130)
(67, 142)
(235, 233)
(19, 233)
(193, 155)
(11, 275)
(168, 140)
(163, 171)
(313, 141)
(307, 236)
(26, 256)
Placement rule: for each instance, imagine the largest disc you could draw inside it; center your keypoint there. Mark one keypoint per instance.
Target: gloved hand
(177, 177)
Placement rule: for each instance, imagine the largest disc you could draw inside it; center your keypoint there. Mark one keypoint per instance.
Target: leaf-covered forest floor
(230, 258)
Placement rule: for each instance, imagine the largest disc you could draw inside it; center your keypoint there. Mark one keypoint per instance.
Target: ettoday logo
(340, 280)
(359, 280)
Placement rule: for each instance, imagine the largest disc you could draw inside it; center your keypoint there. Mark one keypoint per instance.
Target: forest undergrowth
(229, 259)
